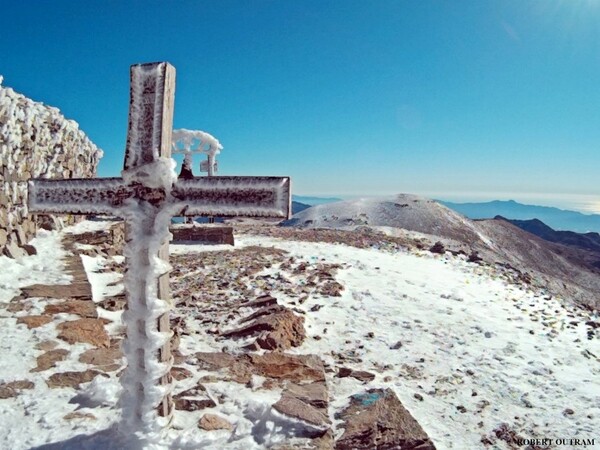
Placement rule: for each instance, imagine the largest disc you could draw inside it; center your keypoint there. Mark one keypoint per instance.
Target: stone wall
(36, 141)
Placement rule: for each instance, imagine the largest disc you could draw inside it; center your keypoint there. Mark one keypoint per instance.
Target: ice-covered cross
(147, 195)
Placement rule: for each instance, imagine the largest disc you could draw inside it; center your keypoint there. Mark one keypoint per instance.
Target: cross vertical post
(152, 93)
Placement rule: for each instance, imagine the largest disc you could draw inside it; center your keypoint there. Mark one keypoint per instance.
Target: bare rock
(72, 379)
(79, 415)
(181, 373)
(83, 308)
(29, 249)
(90, 331)
(34, 321)
(46, 345)
(114, 303)
(13, 388)
(49, 359)
(297, 368)
(377, 419)
(211, 422)
(80, 289)
(101, 356)
(296, 408)
(361, 375)
(280, 330)
(193, 399)
(438, 248)
(314, 394)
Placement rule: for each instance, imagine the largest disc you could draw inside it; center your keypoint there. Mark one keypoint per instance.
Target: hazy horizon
(580, 203)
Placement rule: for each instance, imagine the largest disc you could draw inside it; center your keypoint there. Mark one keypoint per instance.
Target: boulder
(13, 388)
(211, 422)
(101, 356)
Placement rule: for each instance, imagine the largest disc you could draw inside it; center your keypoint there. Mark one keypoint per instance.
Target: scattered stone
(101, 356)
(396, 346)
(13, 388)
(296, 408)
(568, 412)
(79, 415)
(72, 379)
(461, 409)
(90, 331)
(114, 303)
(29, 249)
(49, 359)
(181, 373)
(210, 422)
(487, 334)
(193, 399)
(280, 330)
(361, 375)
(377, 419)
(418, 397)
(370, 335)
(34, 321)
(438, 248)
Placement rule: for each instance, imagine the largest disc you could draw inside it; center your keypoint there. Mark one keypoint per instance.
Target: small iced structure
(188, 142)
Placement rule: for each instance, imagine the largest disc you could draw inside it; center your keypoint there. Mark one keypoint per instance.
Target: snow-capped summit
(566, 272)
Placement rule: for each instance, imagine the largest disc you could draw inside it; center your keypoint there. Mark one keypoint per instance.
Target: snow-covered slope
(463, 349)
(406, 211)
(565, 272)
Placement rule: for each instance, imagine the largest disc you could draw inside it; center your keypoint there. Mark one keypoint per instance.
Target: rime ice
(147, 196)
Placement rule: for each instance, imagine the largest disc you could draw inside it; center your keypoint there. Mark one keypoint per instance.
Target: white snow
(458, 317)
(195, 141)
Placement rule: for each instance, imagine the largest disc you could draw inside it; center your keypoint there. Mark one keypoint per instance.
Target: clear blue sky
(348, 97)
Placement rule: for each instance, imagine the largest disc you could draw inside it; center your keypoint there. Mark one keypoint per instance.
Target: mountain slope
(568, 272)
(558, 219)
(584, 241)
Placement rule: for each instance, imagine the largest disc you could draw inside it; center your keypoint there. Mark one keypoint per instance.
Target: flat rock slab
(34, 321)
(296, 408)
(279, 367)
(89, 331)
(376, 419)
(81, 290)
(102, 356)
(49, 359)
(72, 379)
(13, 388)
(82, 308)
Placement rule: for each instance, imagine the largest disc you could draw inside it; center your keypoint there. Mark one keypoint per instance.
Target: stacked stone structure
(36, 141)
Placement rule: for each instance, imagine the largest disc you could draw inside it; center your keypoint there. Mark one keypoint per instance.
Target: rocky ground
(260, 361)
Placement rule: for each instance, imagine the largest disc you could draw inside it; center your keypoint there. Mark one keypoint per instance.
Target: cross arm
(81, 196)
(233, 196)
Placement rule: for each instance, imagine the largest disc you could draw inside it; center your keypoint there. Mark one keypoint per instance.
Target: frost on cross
(147, 195)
